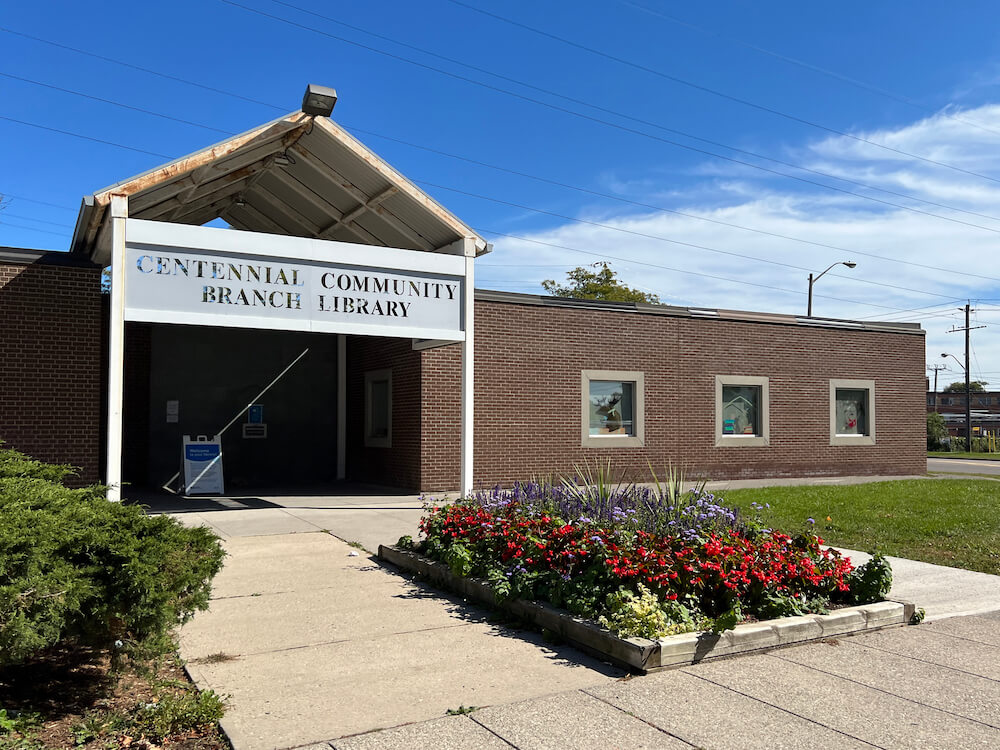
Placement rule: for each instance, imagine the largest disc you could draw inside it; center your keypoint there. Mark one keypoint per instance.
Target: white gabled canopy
(299, 175)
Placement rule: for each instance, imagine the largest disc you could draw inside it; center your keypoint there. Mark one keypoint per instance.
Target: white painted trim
(375, 376)
(234, 241)
(836, 439)
(468, 372)
(341, 406)
(736, 441)
(637, 440)
(116, 349)
(285, 324)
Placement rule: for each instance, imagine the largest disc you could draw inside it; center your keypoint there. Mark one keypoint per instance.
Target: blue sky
(630, 105)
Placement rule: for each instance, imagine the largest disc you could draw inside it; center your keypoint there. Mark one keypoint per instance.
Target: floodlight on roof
(319, 100)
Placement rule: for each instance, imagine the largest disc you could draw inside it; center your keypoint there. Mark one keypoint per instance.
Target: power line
(606, 256)
(84, 137)
(30, 229)
(139, 68)
(622, 115)
(660, 238)
(663, 209)
(561, 109)
(561, 216)
(33, 200)
(117, 104)
(30, 218)
(633, 131)
(715, 92)
(809, 66)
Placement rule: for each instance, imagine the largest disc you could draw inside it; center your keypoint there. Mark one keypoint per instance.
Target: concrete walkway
(318, 644)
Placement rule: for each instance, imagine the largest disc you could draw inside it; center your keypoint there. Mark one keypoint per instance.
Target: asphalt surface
(963, 466)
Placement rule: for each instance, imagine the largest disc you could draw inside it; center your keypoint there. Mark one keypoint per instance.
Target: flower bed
(642, 561)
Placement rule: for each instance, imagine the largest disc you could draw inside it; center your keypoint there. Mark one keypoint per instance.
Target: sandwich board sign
(202, 465)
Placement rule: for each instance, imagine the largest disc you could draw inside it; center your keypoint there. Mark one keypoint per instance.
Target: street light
(968, 398)
(945, 355)
(848, 263)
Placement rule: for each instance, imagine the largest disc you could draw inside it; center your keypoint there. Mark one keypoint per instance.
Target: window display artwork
(852, 411)
(741, 409)
(612, 407)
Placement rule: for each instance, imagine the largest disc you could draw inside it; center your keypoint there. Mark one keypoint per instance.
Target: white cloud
(641, 252)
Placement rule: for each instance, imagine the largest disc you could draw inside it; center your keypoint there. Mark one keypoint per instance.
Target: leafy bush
(937, 431)
(645, 615)
(871, 582)
(76, 567)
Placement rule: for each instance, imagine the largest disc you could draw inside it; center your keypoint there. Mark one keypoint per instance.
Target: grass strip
(954, 522)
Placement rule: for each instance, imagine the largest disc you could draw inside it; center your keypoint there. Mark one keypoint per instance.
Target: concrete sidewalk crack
(923, 661)
(498, 736)
(639, 718)
(885, 692)
(784, 710)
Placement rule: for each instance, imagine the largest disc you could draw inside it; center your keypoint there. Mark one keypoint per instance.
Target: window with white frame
(742, 410)
(612, 402)
(378, 409)
(852, 412)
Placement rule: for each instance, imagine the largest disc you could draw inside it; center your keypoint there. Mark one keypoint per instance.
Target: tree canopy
(976, 386)
(585, 283)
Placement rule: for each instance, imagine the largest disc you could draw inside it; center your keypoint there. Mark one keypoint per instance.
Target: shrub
(76, 567)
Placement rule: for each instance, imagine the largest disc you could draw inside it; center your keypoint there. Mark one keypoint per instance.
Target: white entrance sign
(220, 277)
(202, 466)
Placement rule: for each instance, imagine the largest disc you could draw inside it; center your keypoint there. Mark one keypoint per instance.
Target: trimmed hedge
(78, 569)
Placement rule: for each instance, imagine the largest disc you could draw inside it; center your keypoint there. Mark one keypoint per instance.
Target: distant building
(985, 411)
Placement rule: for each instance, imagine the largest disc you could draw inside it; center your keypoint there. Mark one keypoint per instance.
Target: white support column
(116, 348)
(468, 368)
(341, 406)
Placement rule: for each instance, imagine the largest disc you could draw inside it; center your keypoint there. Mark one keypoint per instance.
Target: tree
(584, 283)
(937, 431)
(976, 386)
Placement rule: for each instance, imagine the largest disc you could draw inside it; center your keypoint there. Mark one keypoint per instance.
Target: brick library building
(332, 332)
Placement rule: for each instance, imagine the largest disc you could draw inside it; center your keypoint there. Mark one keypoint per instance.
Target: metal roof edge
(29, 256)
(395, 176)
(745, 316)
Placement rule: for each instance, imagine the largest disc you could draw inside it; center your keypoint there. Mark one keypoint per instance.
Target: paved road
(963, 466)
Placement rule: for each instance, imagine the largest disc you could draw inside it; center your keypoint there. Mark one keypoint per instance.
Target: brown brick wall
(50, 362)
(528, 412)
(398, 465)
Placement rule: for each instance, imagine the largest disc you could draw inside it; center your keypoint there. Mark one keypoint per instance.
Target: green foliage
(975, 386)
(941, 521)
(405, 542)
(178, 713)
(171, 714)
(643, 615)
(461, 710)
(15, 464)
(584, 283)
(871, 582)
(76, 567)
(937, 431)
(459, 559)
(727, 620)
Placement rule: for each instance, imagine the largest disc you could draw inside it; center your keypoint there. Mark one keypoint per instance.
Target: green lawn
(952, 522)
(951, 454)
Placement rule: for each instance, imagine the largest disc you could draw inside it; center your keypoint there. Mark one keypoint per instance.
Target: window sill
(612, 441)
(852, 440)
(741, 441)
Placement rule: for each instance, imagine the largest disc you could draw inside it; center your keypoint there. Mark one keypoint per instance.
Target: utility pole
(937, 369)
(968, 381)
